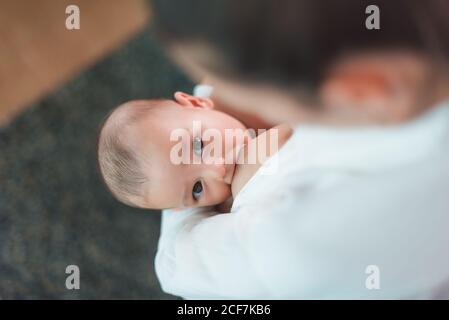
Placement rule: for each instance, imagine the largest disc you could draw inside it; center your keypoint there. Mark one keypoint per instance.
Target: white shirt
(342, 202)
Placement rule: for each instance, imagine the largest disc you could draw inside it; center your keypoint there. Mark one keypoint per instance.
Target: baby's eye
(198, 146)
(197, 190)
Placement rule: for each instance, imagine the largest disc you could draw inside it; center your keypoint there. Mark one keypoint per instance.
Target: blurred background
(56, 85)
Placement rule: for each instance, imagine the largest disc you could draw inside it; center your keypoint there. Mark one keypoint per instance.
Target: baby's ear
(187, 100)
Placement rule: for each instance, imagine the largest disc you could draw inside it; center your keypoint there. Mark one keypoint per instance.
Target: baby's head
(139, 145)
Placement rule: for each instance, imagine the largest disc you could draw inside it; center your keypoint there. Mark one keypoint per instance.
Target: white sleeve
(312, 245)
(203, 90)
(337, 244)
(201, 256)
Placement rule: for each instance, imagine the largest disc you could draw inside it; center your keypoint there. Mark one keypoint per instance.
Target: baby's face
(179, 129)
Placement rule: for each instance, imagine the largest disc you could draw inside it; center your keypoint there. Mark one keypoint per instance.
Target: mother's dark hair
(294, 41)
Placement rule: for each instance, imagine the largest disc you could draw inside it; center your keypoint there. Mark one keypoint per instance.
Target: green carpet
(54, 210)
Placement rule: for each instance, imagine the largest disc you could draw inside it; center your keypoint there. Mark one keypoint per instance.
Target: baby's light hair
(121, 166)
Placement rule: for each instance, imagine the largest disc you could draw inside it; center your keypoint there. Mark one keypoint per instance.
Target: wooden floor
(38, 53)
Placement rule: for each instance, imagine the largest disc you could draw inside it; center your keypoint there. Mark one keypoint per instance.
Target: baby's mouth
(230, 167)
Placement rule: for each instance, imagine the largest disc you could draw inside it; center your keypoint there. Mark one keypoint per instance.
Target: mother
(359, 206)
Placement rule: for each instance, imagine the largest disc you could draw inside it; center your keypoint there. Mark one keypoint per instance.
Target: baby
(145, 164)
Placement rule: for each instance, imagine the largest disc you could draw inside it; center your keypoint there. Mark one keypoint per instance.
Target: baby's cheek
(231, 140)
